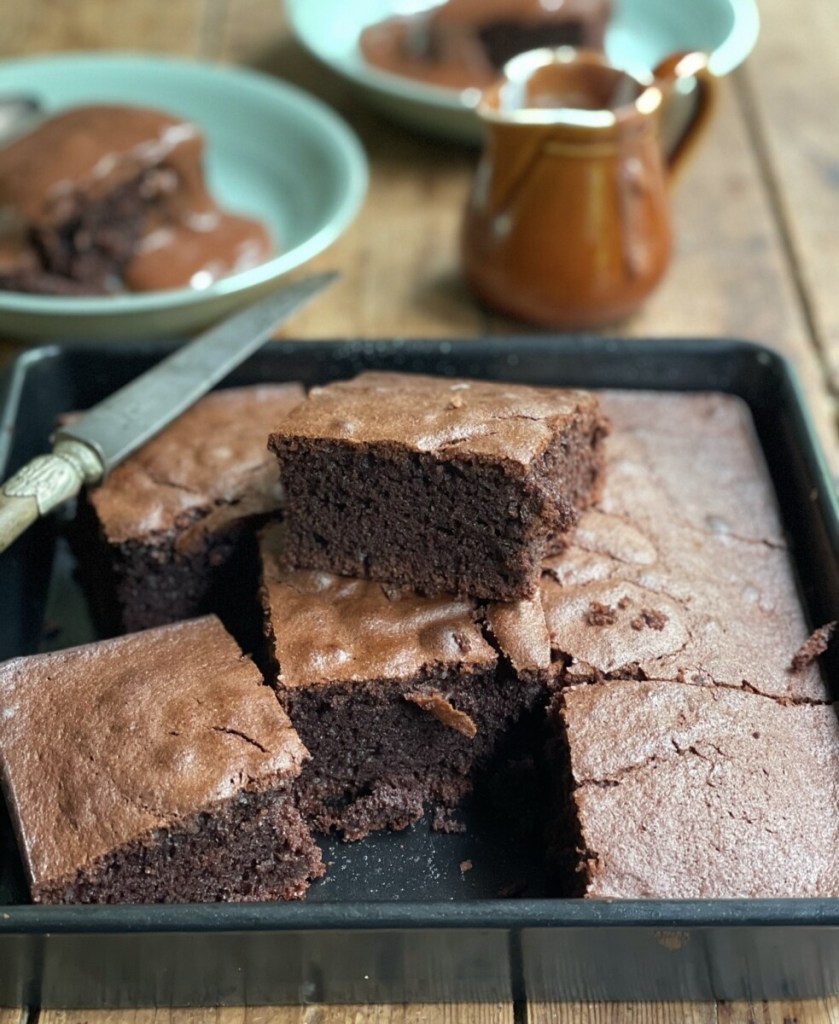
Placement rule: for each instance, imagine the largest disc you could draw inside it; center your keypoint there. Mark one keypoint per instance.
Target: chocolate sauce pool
(86, 154)
(464, 43)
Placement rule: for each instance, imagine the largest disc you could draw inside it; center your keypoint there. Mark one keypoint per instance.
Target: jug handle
(680, 67)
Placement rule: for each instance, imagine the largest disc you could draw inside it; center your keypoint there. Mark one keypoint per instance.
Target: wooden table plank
(621, 1013)
(794, 95)
(813, 1011)
(40, 26)
(13, 1016)
(399, 1013)
(823, 1011)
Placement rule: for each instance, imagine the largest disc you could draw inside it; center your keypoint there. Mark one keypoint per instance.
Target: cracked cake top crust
(333, 629)
(210, 466)
(681, 570)
(102, 744)
(445, 485)
(697, 792)
(440, 415)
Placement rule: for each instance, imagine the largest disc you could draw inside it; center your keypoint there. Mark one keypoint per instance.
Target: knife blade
(85, 451)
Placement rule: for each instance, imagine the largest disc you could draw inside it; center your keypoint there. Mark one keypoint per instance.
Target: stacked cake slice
(446, 486)
(412, 502)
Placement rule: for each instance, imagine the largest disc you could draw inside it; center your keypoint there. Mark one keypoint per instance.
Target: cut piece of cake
(442, 485)
(399, 698)
(697, 792)
(101, 198)
(681, 572)
(155, 767)
(164, 537)
(693, 756)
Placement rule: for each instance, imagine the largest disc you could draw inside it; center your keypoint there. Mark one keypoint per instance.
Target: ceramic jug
(568, 222)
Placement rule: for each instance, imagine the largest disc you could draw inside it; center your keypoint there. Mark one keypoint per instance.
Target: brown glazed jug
(568, 221)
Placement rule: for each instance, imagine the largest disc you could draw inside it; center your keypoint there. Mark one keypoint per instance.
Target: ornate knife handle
(42, 484)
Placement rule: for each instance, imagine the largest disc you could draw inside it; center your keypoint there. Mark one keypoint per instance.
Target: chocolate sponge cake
(156, 767)
(166, 536)
(399, 698)
(443, 485)
(696, 792)
(695, 755)
(104, 198)
(681, 572)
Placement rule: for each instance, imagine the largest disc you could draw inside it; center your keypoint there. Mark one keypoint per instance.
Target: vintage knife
(85, 451)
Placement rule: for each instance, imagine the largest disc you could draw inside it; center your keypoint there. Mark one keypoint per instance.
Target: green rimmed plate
(640, 34)
(273, 151)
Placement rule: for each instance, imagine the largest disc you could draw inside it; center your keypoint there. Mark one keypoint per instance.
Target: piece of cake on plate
(103, 198)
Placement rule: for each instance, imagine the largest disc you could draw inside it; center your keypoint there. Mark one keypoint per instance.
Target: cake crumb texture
(443, 485)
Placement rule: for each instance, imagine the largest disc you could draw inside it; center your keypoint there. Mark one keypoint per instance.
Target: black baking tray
(397, 919)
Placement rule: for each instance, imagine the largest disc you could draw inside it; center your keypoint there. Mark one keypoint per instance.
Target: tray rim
(484, 915)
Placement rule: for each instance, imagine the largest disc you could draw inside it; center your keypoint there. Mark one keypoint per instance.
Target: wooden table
(757, 257)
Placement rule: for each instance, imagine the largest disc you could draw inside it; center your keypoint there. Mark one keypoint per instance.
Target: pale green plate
(641, 33)
(273, 151)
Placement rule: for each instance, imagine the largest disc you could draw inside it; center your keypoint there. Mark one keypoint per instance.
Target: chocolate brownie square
(102, 198)
(156, 767)
(399, 698)
(681, 571)
(695, 744)
(166, 536)
(442, 485)
(695, 792)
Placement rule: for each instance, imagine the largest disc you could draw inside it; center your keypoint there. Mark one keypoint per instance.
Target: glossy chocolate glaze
(464, 43)
(83, 154)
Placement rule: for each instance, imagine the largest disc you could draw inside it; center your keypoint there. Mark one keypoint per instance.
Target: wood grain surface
(816, 1011)
(792, 95)
(756, 214)
(427, 1013)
